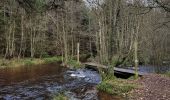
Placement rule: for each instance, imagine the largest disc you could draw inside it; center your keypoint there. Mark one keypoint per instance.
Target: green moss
(167, 74)
(15, 62)
(60, 97)
(133, 77)
(106, 87)
(116, 86)
(107, 76)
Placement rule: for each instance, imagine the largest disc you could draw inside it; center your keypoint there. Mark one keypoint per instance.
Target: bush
(45, 55)
(3, 63)
(104, 86)
(115, 60)
(74, 63)
(107, 76)
(52, 59)
(132, 77)
(28, 62)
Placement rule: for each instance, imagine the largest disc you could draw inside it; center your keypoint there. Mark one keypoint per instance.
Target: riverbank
(108, 89)
(118, 87)
(15, 62)
(149, 87)
(153, 87)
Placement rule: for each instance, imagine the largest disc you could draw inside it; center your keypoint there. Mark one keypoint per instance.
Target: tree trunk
(78, 52)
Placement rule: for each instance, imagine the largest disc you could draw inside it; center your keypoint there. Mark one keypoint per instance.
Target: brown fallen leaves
(153, 87)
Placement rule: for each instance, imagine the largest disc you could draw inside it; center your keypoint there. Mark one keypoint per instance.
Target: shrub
(107, 76)
(28, 62)
(45, 55)
(104, 86)
(115, 60)
(74, 63)
(52, 59)
(3, 63)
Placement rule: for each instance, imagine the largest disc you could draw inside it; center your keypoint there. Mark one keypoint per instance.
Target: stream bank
(22, 62)
(42, 82)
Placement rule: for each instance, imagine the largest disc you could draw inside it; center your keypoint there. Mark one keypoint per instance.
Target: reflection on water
(153, 69)
(43, 81)
(19, 74)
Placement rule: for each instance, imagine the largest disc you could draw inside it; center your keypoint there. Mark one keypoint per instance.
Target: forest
(113, 33)
(106, 30)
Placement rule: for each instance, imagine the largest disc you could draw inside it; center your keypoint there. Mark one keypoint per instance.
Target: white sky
(92, 2)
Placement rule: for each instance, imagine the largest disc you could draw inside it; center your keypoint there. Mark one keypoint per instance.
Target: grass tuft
(60, 97)
(28, 61)
(133, 77)
(167, 74)
(115, 86)
(74, 63)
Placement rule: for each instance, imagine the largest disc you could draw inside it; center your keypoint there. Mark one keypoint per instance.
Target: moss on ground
(167, 74)
(115, 86)
(60, 97)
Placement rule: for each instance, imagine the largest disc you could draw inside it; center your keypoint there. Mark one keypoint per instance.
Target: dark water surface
(152, 69)
(42, 82)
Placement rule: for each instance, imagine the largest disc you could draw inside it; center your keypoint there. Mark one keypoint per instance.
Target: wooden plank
(128, 71)
(96, 65)
(121, 70)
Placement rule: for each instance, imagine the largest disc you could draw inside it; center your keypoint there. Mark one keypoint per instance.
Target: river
(42, 82)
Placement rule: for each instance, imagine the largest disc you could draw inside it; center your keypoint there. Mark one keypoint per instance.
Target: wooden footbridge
(97, 66)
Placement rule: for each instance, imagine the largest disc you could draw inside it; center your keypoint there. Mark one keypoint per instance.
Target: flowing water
(42, 82)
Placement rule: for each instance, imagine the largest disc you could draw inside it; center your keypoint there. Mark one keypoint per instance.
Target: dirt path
(153, 87)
